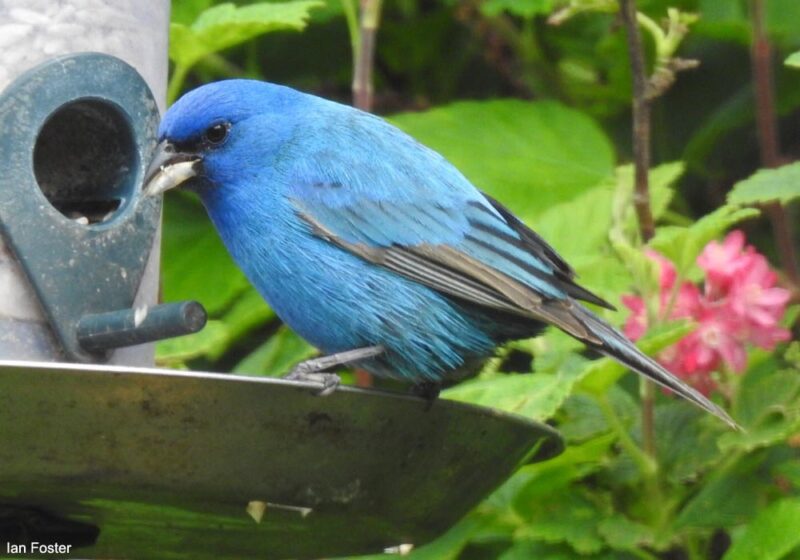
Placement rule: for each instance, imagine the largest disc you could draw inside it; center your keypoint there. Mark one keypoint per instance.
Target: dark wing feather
(533, 242)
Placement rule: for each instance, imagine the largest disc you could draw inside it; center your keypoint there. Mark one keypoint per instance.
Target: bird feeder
(105, 454)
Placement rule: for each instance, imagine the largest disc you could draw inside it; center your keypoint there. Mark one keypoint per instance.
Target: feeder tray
(150, 463)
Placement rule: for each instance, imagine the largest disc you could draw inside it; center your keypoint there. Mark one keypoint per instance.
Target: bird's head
(214, 131)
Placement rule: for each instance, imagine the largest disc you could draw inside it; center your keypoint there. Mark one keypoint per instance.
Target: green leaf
(642, 270)
(723, 502)
(565, 517)
(534, 395)
(687, 443)
(621, 533)
(248, 312)
(682, 245)
(729, 20)
(593, 210)
(225, 25)
(583, 417)
(539, 480)
(447, 546)
(793, 60)
(175, 351)
(767, 393)
(277, 355)
(768, 185)
(529, 155)
(194, 263)
(772, 534)
(768, 406)
(687, 440)
(724, 20)
(783, 20)
(527, 497)
(523, 8)
(186, 11)
(792, 354)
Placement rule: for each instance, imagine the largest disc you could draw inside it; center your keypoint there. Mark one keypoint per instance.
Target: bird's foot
(313, 370)
(428, 390)
(328, 381)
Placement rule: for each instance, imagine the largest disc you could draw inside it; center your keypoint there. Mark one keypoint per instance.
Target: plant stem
(641, 194)
(351, 17)
(767, 128)
(221, 66)
(365, 56)
(176, 82)
(648, 392)
(645, 463)
(761, 54)
(641, 121)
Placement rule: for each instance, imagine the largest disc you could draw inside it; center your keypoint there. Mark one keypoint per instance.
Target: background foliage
(531, 100)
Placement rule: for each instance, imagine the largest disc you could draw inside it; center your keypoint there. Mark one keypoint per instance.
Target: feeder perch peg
(103, 331)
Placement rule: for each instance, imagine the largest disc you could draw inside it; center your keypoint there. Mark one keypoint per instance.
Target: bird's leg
(428, 390)
(313, 370)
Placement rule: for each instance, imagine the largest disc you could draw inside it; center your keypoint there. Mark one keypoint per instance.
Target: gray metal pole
(32, 32)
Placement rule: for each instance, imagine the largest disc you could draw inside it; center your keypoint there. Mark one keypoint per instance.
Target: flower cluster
(738, 305)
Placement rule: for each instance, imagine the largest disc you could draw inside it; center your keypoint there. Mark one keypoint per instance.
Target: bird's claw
(313, 370)
(428, 390)
(328, 381)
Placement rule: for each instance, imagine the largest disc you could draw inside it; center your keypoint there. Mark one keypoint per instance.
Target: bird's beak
(170, 168)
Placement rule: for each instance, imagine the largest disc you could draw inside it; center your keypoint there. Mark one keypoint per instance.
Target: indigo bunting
(369, 245)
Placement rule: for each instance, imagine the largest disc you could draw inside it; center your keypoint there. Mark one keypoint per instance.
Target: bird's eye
(216, 134)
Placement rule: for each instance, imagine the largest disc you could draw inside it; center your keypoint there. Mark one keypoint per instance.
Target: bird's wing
(468, 247)
(415, 214)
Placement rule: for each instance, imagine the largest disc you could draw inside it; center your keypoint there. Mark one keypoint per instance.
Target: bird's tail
(617, 346)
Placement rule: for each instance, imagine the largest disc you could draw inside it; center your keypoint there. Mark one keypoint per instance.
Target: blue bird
(368, 244)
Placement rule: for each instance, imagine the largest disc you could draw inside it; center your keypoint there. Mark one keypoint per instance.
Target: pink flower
(740, 304)
(753, 295)
(717, 342)
(682, 360)
(723, 261)
(686, 302)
